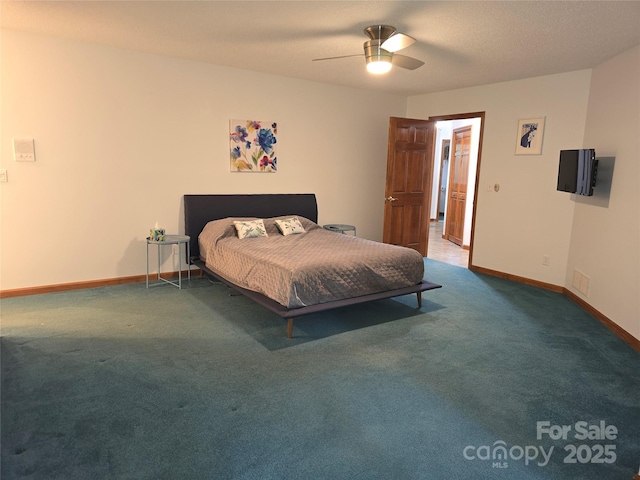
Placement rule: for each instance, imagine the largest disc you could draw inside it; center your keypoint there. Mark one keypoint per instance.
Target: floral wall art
(253, 146)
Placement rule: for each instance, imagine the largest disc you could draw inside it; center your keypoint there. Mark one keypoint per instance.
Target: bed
(214, 247)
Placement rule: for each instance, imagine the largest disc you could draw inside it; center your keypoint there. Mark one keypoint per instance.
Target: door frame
(445, 143)
(463, 116)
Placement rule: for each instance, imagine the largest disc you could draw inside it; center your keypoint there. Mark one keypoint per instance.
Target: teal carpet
(128, 383)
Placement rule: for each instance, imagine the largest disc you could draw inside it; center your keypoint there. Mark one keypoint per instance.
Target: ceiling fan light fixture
(378, 59)
(382, 65)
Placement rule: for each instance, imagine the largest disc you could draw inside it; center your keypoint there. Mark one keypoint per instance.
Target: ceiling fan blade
(397, 41)
(403, 61)
(333, 58)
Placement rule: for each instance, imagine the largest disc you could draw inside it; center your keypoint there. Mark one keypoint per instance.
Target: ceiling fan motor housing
(379, 32)
(373, 51)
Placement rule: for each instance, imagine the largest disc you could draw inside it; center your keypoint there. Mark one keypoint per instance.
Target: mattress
(309, 268)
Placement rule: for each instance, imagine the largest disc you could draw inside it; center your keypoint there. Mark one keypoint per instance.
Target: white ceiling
(463, 43)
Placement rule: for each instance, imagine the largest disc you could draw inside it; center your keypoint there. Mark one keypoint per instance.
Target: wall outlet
(546, 259)
(174, 249)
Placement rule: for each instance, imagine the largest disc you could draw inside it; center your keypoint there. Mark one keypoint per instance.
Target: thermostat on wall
(24, 150)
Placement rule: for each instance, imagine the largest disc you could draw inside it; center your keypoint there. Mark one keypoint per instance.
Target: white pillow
(250, 228)
(289, 226)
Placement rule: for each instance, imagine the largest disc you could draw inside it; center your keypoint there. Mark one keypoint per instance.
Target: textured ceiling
(463, 43)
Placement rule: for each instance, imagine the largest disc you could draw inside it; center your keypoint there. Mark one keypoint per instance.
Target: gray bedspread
(313, 267)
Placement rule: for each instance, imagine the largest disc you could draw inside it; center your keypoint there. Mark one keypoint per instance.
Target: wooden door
(408, 186)
(458, 180)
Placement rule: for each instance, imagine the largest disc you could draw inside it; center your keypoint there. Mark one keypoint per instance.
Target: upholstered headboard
(201, 209)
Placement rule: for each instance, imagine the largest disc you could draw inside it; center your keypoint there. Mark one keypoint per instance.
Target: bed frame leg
(289, 328)
(419, 294)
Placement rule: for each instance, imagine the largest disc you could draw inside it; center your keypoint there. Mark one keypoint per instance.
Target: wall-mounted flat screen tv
(577, 171)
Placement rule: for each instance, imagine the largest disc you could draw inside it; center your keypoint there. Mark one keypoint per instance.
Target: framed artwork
(252, 146)
(529, 136)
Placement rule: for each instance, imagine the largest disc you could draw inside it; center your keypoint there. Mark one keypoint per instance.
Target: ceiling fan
(379, 51)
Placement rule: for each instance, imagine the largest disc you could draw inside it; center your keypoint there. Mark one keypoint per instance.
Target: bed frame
(201, 209)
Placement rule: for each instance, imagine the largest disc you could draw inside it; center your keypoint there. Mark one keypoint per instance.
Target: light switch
(24, 150)
(3, 175)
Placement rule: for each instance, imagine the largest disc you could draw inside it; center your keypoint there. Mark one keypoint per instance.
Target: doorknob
(391, 199)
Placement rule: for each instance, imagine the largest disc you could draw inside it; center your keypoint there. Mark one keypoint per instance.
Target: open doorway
(457, 150)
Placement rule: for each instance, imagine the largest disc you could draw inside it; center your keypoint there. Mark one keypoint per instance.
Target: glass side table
(171, 240)
(340, 228)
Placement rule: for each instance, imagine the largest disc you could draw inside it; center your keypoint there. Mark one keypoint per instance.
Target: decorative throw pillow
(289, 226)
(250, 228)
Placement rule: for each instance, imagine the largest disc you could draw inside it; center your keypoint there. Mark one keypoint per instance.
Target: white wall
(527, 218)
(605, 240)
(120, 137)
